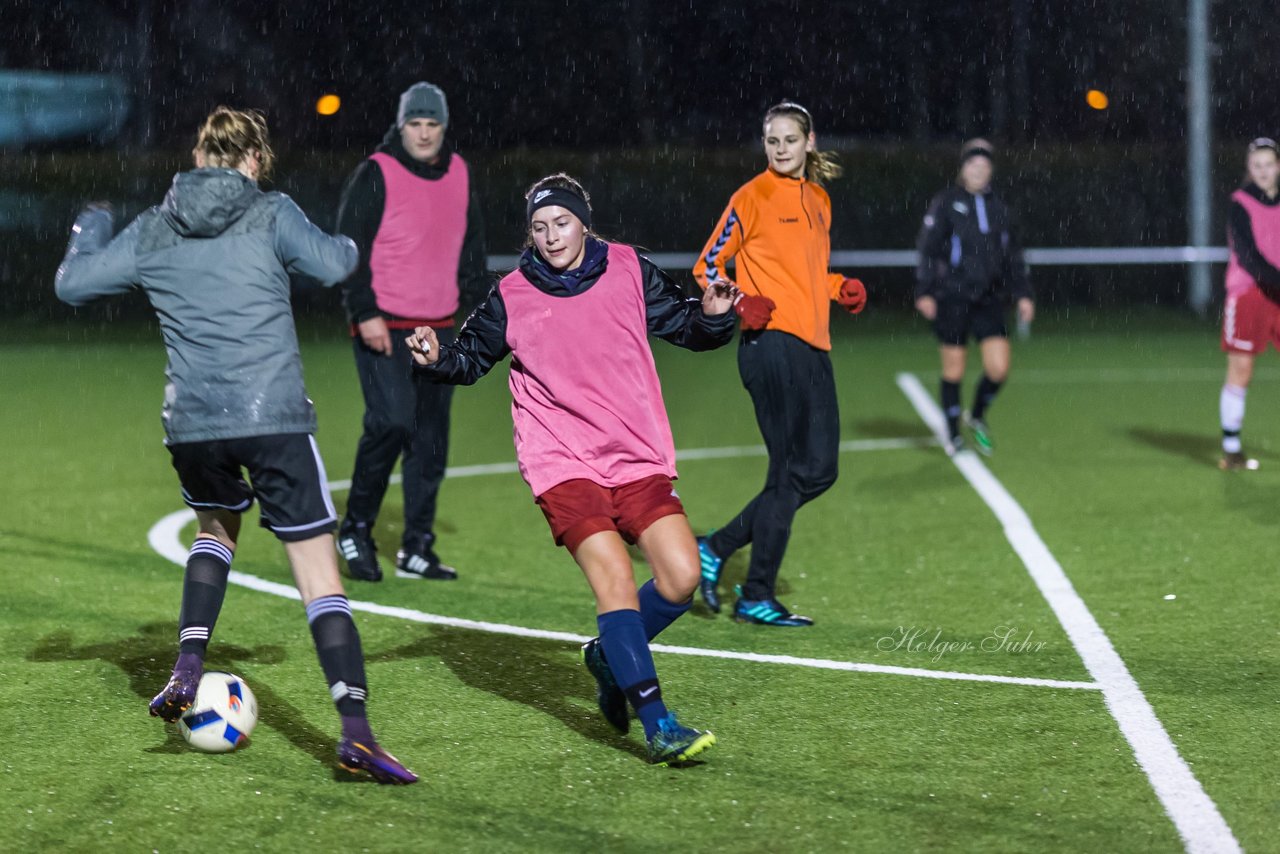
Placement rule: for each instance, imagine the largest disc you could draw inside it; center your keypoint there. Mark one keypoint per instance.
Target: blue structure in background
(38, 107)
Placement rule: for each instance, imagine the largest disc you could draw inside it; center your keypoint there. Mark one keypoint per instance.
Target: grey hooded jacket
(214, 260)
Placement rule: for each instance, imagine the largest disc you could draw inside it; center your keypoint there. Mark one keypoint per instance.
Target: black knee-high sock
(987, 391)
(342, 659)
(203, 587)
(951, 405)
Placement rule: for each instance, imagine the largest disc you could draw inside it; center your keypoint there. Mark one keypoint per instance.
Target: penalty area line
(1193, 812)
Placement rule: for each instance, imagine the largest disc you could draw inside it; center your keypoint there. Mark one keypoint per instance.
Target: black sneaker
(417, 559)
(609, 697)
(355, 544)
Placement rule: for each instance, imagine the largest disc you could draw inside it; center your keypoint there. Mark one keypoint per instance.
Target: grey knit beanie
(422, 101)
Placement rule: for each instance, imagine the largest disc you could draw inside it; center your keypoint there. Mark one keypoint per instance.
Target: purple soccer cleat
(177, 696)
(358, 757)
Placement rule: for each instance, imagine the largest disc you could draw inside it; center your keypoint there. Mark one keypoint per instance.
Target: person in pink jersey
(1251, 315)
(591, 432)
(415, 217)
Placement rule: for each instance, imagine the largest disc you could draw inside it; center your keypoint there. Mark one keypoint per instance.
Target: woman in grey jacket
(214, 260)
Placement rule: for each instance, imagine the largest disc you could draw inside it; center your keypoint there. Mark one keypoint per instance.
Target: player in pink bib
(591, 431)
(1251, 315)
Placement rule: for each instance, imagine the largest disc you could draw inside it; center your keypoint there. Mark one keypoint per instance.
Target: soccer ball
(222, 716)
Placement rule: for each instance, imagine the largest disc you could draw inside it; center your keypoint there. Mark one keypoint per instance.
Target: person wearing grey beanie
(423, 101)
(415, 217)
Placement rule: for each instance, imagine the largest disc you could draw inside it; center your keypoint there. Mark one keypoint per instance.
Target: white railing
(853, 259)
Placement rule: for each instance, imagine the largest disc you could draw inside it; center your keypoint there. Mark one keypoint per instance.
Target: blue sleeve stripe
(725, 234)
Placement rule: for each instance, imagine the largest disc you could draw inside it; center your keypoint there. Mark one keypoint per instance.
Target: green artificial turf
(1106, 435)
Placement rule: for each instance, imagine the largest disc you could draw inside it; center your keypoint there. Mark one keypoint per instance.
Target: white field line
(164, 538)
(1194, 814)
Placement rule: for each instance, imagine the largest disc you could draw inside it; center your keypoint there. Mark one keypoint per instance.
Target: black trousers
(794, 393)
(405, 414)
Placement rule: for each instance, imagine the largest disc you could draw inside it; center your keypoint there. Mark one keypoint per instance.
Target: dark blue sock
(656, 612)
(627, 651)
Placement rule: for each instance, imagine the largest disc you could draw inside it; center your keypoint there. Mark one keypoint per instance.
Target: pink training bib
(585, 397)
(415, 254)
(1265, 221)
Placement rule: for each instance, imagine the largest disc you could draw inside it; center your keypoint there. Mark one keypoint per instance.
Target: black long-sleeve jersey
(669, 315)
(360, 214)
(969, 246)
(1245, 247)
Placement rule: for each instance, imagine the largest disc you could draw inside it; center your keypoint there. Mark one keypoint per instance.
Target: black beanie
(976, 149)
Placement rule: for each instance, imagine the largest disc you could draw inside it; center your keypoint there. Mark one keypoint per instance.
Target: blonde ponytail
(821, 167)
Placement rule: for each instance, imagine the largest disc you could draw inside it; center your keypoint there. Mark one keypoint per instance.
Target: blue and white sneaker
(674, 743)
(766, 612)
(711, 565)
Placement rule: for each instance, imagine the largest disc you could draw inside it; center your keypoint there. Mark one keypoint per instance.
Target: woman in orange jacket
(778, 227)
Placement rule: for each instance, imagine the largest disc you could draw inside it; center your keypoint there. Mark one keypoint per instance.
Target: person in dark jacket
(591, 431)
(1251, 315)
(970, 266)
(215, 260)
(414, 214)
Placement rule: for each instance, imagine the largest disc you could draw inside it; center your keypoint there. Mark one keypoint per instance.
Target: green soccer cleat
(674, 744)
(981, 434)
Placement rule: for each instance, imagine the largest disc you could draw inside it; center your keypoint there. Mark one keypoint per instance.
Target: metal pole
(1198, 143)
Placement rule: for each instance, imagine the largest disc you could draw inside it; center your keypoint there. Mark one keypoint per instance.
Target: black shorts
(286, 472)
(958, 318)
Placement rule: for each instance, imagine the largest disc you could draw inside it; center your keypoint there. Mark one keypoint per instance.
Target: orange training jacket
(779, 229)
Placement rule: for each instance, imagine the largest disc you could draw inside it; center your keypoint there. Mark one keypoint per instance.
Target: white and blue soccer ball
(223, 715)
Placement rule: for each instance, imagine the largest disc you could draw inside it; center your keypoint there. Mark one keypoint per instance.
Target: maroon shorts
(1250, 321)
(576, 509)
